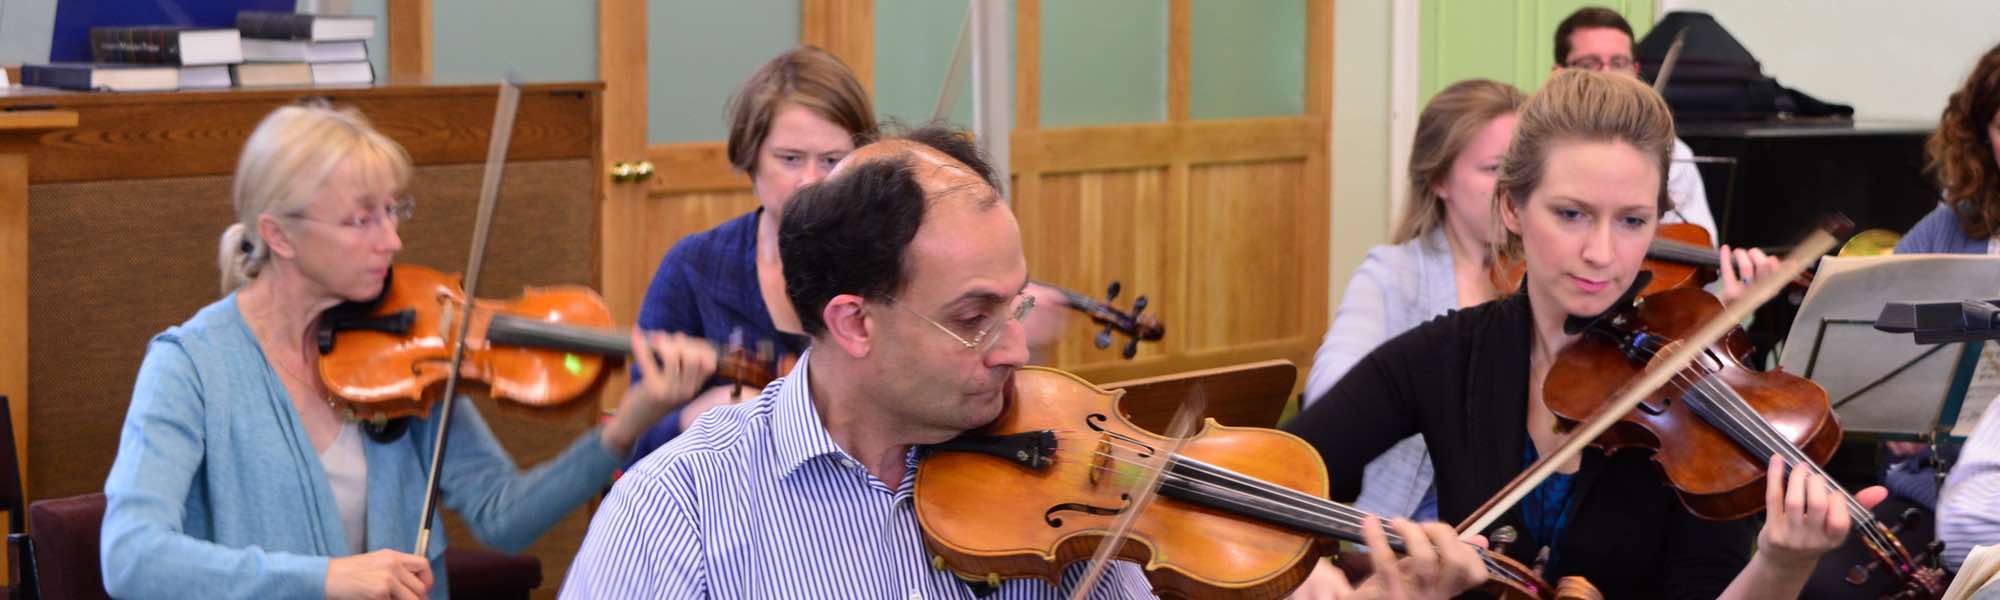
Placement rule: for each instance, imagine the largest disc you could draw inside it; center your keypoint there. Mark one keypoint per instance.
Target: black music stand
(1881, 384)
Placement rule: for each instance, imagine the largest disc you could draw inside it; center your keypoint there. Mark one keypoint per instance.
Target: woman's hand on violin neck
(1803, 517)
(672, 367)
(1742, 267)
(1438, 565)
(378, 575)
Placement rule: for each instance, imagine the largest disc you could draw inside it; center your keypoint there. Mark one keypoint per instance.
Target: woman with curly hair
(1964, 155)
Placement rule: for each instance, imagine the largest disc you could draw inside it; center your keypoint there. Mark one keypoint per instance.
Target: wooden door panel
(1086, 229)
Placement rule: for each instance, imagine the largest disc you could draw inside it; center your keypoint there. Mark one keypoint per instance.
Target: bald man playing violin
(906, 266)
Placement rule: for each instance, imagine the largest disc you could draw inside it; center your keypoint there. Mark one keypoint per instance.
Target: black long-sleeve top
(1461, 380)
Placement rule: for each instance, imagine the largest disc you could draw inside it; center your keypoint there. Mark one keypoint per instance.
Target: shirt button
(916, 596)
(849, 463)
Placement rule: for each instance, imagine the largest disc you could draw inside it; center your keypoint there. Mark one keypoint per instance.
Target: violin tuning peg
(1111, 292)
(1501, 538)
(1132, 349)
(1138, 306)
(1103, 339)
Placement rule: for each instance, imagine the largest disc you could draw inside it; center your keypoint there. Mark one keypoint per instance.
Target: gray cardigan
(1396, 288)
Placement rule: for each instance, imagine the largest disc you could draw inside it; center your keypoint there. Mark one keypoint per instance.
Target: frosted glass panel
(1248, 59)
(1104, 61)
(914, 41)
(696, 54)
(483, 40)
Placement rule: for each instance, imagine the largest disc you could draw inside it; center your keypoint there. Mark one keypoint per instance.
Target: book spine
(274, 25)
(135, 46)
(55, 77)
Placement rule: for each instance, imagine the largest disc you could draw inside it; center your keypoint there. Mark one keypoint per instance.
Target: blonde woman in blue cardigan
(235, 477)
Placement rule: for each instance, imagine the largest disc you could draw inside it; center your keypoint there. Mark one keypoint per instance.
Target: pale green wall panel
(914, 40)
(1103, 61)
(26, 28)
(698, 51)
(378, 48)
(1247, 59)
(483, 40)
(1506, 40)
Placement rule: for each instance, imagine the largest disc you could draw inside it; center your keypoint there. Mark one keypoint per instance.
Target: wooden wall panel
(1244, 255)
(145, 135)
(1086, 229)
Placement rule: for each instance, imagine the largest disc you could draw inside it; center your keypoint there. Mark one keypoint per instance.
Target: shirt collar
(801, 437)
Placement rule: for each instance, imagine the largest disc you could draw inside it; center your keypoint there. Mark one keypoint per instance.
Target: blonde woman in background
(236, 478)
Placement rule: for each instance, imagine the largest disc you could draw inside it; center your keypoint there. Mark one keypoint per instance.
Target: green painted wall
(1506, 40)
(1248, 59)
(1103, 61)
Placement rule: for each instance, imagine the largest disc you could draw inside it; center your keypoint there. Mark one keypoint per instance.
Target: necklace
(311, 384)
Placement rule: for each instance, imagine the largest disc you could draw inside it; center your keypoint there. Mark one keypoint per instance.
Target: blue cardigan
(707, 287)
(217, 488)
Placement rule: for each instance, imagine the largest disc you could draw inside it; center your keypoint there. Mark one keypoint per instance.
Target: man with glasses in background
(906, 267)
(1595, 38)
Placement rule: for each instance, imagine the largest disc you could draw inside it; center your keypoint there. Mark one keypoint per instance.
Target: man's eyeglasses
(988, 329)
(394, 213)
(1592, 63)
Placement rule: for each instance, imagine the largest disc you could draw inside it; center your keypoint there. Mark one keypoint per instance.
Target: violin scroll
(1136, 324)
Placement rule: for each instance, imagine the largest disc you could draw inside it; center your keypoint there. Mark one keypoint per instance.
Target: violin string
(1348, 518)
(1229, 487)
(1747, 421)
(1754, 429)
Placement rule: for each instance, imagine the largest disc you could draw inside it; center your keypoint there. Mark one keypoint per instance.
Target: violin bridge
(1101, 461)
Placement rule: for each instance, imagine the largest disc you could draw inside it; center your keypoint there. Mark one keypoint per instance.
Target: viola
(1241, 512)
(1716, 425)
(384, 359)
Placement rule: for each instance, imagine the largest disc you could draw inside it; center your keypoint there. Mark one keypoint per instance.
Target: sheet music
(1854, 355)
(1985, 387)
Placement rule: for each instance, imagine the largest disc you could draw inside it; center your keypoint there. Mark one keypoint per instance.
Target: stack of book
(144, 59)
(303, 49)
(265, 49)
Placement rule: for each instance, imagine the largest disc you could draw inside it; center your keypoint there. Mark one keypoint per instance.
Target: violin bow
(489, 195)
(1663, 368)
(1667, 62)
(961, 57)
(1144, 492)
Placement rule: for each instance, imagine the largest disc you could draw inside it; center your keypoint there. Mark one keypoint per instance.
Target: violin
(1716, 425)
(384, 359)
(1241, 512)
(1136, 325)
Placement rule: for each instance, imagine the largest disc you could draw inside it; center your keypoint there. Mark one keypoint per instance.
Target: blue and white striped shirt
(1968, 510)
(757, 501)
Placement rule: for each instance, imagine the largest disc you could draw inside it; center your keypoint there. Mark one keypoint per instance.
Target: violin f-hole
(1093, 420)
(1050, 517)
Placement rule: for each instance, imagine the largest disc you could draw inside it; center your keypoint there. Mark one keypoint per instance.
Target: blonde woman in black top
(1580, 194)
